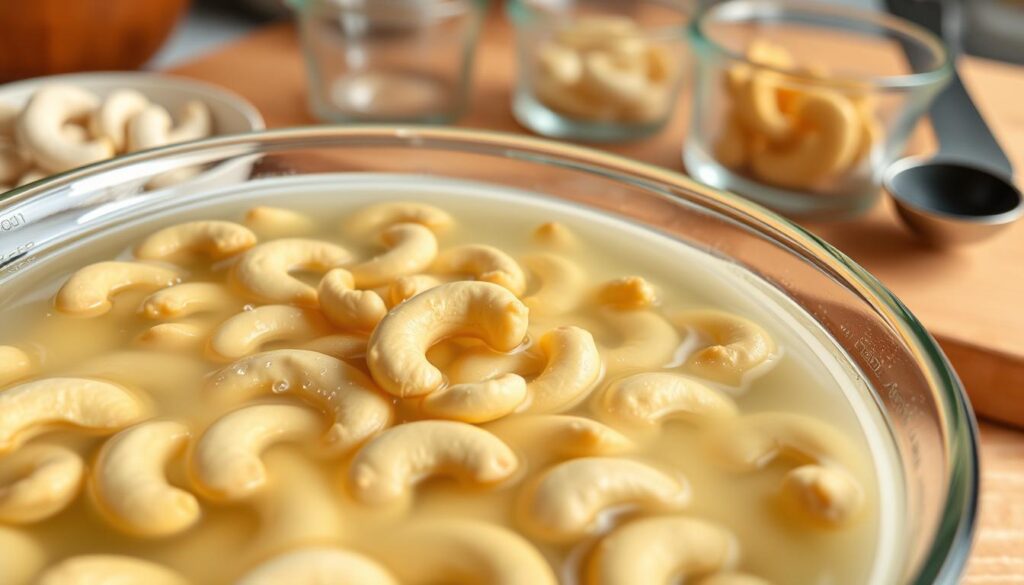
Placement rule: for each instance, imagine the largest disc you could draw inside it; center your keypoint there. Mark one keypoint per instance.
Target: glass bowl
(907, 384)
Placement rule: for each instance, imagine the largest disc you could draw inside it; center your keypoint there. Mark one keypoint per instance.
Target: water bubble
(280, 386)
(248, 308)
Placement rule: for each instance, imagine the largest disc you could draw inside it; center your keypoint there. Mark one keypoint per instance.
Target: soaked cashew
(37, 482)
(477, 402)
(562, 283)
(565, 502)
(646, 400)
(13, 163)
(40, 129)
(559, 435)
(374, 218)
(247, 331)
(826, 494)
(21, 555)
(628, 292)
(646, 340)
(358, 410)
(108, 570)
(484, 263)
(573, 368)
(214, 239)
(174, 336)
(340, 345)
(660, 551)
(87, 293)
(480, 362)
(735, 346)
(263, 271)
(406, 287)
(387, 467)
(189, 298)
(396, 353)
(32, 408)
(555, 235)
(346, 307)
(732, 579)
(277, 222)
(110, 120)
(15, 364)
(411, 248)
(319, 566)
(226, 461)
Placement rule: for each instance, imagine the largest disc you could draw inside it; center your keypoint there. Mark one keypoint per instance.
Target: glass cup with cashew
(802, 107)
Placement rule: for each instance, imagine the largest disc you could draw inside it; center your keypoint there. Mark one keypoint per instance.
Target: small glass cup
(598, 70)
(801, 107)
(389, 60)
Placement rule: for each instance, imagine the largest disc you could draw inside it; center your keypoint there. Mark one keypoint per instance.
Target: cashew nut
(477, 402)
(215, 239)
(411, 248)
(340, 345)
(828, 495)
(617, 81)
(154, 127)
(406, 287)
(346, 307)
(566, 501)
(628, 292)
(21, 555)
(40, 129)
(660, 551)
(544, 436)
(15, 364)
(573, 368)
(389, 465)
(31, 176)
(174, 336)
(646, 340)
(189, 298)
(735, 346)
(277, 222)
(374, 218)
(108, 570)
(247, 331)
(561, 284)
(647, 399)
(358, 410)
(87, 293)
(396, 353)
(110, 120)
(480, 362)
(226, 461)
(263, 271)
(555, 235)
(319, 566)
(32, 408)
(734, 143)
(483, 263)
(37, 482)
(731, 578)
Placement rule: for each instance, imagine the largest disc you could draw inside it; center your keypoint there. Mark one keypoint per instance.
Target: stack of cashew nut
(65, 126)
(419, 360)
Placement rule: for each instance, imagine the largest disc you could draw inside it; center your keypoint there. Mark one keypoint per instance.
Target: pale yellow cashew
(277, 222)
(559, 64)
(661, 551)
(562, 283)
(214, 239)
(346, 307)
(484, 263)
(131, 488)
(153, 126)
(396, 354)
(189, 298)
(226, 461)
(111, 119)
(390, 465)
(263, 271)
(646, 341)
(340, 345)
(733, 579)
(828, 495)
(347, 395)
(87, 293)
(477, 363)
(319, 566)
(32, 408)
(648, 399)
(733, 347)
(41, 123)
(22, 556)
(37, 482)
(108, 570)
(376, 217)
(617, 82)
(477, 402)
(628, 292)
(545, 436)
(555, 235)
(406, 287)
(565, 503)
(411, 248)
(174, 336)
(247, 331)
(15, 364)
(573, 368)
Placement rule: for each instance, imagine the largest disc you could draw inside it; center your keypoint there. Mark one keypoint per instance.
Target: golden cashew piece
(153, 126)
(214, 239)
(731, 578)
(130, 486)
(346, 307)
(648, 399)
(628, 292)
(560, 435)
(573, 368)
(396, 354)
(32, 408)
(110, 120)
(277, 222)
(189, 298)
(174, 336)
(247, 331)
(477, 402)
(340, 345)
(389, 465)
(376, 217)
(561, 287)
(226, 461)
(40, 129)
(108, 570)
(734, 345)
(319, 566)
(412, 248)
(37, 482)
(344, 392)
(484, 263)
(15, 364)
(476, 363)
(31, 176)
(13, 164)
(646, 341)
(263, 271)
(555, 235)
(21, 555)
(828, 495)
(660, 551)
(87, 293)
(406, 287)
(565, 502)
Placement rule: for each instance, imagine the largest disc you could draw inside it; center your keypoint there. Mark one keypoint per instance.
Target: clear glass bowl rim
(947, 554)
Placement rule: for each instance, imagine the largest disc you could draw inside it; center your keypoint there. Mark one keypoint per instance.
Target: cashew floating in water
(111, 119)
(247, 331)
(41, 123)
(561, 284)
(734, 347)
(87, 293)
(226, 461)
(731, 578)
(358, 410)
(174, 336)
(647, 399)
(319, 566)
(477, 402)
(215, 239)
(21, 555)
(37, 482)
(108, 570)
(35, 407)
(340, 345)
(826, 494)
(397, 352)
(646, 340)
(629, 292)
(406, 287)
(555, 235)
(545, 436)
(346, 307)
(484, 263)
(411, 248)
(263, 271)
(388, 466)
(15, 364)
(277, 222)
(573, 368)
(374, 218)
(153, 126)
(189, 298)
(660, 551)
(564, 504)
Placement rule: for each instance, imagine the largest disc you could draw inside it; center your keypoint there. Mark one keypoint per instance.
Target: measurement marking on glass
(12, 222)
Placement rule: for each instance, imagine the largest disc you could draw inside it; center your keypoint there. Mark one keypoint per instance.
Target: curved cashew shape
(756, 103)
(566, 501)
(87, 293)
(247, 331)
(154, 127)
(646, 400)
(13, 163)
(15, 364)
(22, 556)
(555, 235)
(828, 495)
(131, 488)
(562, 282)
(560, 435)
(406, 287)
(477, 363)
(573, 368)
(358, 410)
(37, 482)
(628, 292)
(189, 298)
(214, 239)
(346, 307)
(264, 270)
(411, 248)
(174, 336)
(484, 263)
(377, 217)
(226, 461)
(278, 222)
(387, 467)
(396, 354)
(41, 123)
(646, 340)
(736, 345)
(110, 120)
(319, 566)
(107, 570)
(660, 551)
(32, 408)
(732, 579)
(477, 402)
(341, 345)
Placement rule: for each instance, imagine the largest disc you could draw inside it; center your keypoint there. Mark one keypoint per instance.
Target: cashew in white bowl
(484, 263)
(130, 486)
(628, 293)
(153, 126)
(263, 271)
(411, 248)
(648, 399)
(214, 239)
(108, 570)
(376, 217)
(15, 364)
(552, 436)
(734, 346)
(110, 120)
(477, 402)
(561, 287)
(88, 291)
(406, 287)
(646, 341)
(189, 298)
(278, 222)
(38, 481)
(346, 307)
(390, 465)
(319, 566)
(573, 368)
(40, 129)
(247, 331)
